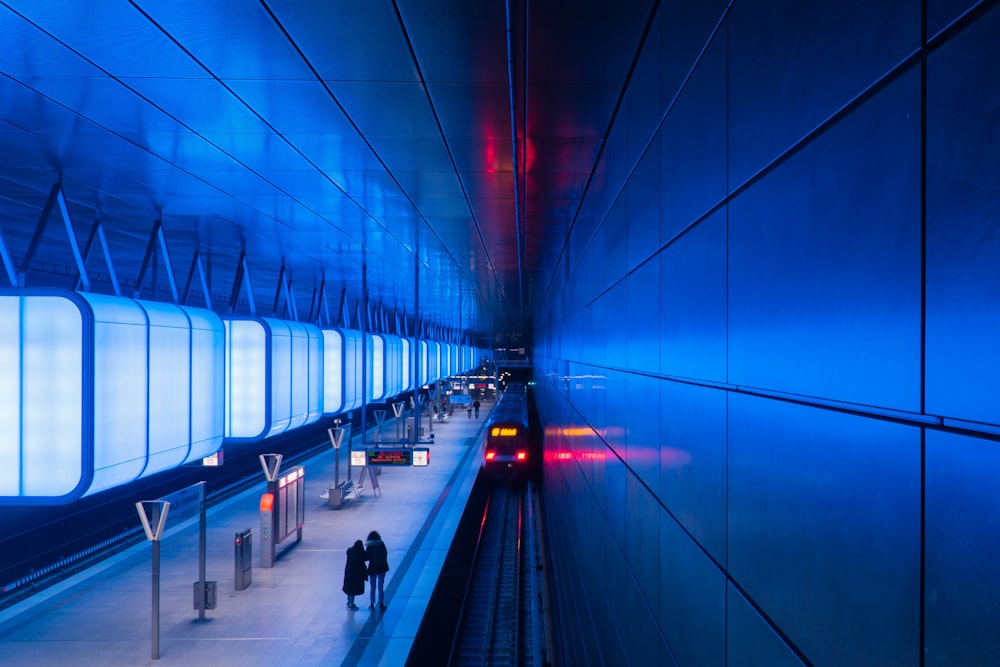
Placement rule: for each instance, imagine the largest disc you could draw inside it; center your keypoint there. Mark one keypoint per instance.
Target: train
(511, 451)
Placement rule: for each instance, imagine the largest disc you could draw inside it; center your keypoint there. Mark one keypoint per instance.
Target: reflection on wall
(767, 358)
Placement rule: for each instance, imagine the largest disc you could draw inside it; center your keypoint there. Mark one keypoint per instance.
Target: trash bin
(244, 559)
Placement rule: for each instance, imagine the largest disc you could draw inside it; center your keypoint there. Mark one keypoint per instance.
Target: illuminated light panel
(490, 455)
(274, 377)
(101, 391)
(353, 390)
(208, 382)
(333, 371)
(422, 363)
(392, 350)
(267, 502)
(341, 370)
(522, 456)
(503, 432)
(246, 374)
(433, 361)
(406, 383)
(376, 377)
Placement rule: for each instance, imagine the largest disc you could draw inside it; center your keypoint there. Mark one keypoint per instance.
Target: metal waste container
(244, 559)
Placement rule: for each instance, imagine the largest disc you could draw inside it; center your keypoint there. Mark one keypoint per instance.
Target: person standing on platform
(475, 406)
(378, 564)
(355, 573)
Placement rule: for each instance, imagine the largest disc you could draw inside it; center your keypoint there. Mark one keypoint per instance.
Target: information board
(386, 456)
(398, 456)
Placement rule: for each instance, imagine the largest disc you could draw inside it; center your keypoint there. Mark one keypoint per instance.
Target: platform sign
(357, 457)
(385, 456)
(398, 456)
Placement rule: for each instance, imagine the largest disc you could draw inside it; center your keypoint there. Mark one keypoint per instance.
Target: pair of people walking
(355, 571)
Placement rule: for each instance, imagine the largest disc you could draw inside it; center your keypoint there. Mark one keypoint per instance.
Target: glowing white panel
(433, 361)
(406, 384)
(393, 348)
(333, 371)
(280, 377)
(316, 372)
(53, 461)
(422, 363)
(352, 369)
(247, 410)
(104, 391)
(305, 399)
(208, 389)
(377, 375)
(169, 386)
(446, 359)
(120, 389)
(10, 395)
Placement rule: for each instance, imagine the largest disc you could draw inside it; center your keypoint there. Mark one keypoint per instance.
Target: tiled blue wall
(766, 363)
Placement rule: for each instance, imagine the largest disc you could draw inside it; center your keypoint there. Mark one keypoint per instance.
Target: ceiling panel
(322, 135)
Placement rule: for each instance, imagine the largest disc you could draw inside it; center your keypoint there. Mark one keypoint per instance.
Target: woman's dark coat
(355, 571)
(377, 557)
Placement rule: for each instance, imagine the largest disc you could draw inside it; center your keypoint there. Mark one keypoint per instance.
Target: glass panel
(10, 395)
(406, 384)
(333, 371)
(51, 419)
(169, 386)
(378, 368)
(300, 374)
(246, 391)
(281, 374)
(208, 372)
(352, 369)
(422, 363)
(121, 386)
(315, 346)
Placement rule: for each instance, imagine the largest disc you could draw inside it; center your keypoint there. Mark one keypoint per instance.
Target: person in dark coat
(355, 573)
(475, 406)
(378, 564)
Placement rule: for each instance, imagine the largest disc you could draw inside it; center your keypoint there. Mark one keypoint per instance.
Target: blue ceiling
(346, 141)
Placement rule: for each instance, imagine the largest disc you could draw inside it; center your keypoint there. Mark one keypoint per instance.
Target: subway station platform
(293, 613)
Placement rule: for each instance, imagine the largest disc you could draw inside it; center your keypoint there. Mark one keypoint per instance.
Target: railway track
(501, 621)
